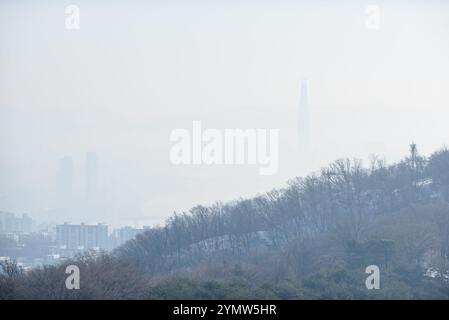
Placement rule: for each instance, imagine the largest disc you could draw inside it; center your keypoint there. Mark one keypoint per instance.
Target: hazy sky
(136, 70)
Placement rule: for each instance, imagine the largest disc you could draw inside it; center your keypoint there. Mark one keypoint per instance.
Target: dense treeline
(311, 239)
(345, 203)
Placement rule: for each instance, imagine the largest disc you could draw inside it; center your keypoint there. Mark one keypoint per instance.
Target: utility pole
(413, 155)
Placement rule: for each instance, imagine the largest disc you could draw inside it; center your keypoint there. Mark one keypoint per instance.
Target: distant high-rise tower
(91, 176)
(64, 182)
(303, 121)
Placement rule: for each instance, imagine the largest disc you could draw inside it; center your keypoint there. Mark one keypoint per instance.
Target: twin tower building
(79, 188)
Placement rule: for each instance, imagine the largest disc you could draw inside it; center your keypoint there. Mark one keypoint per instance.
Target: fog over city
(114, 90)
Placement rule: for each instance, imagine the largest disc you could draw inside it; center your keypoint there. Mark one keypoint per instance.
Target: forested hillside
(312, 239)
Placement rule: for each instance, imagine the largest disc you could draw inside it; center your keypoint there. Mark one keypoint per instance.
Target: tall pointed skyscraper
(303, 121)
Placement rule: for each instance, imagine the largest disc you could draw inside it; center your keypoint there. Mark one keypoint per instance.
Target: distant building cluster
(74, 237)
(79, 237)
(11, 224)
(121, 235)
(20, 240)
